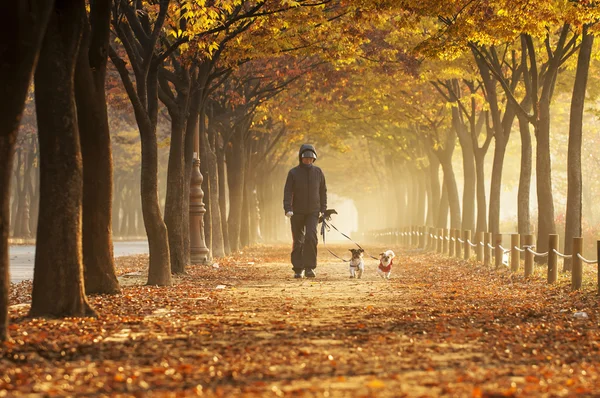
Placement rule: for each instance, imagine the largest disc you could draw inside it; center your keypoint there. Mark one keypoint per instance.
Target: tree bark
(543, 170)
(450, 184)
(222, 172)
(421, 196)
(22, 29)
(469, 185)
(218, 248)
(523, 212)
(442, 220)
(58, 285)
(574, 207)
(481, 200)
(175, 193)
(433, 200)
(235, 179)
(92, 116)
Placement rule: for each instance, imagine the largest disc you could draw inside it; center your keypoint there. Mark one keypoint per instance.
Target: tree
(22, 30)
(574, 208)
(139, 37)
(92, 117)
(58, 285)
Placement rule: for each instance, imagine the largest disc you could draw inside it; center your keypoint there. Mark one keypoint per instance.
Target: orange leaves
(439, 327)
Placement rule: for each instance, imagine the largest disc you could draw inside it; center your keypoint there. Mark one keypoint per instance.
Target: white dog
(357, 266)
(385, 264)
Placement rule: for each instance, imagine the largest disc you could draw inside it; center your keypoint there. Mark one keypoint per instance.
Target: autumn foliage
(245, 326)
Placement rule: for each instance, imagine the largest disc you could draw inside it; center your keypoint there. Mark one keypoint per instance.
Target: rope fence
(487, 247)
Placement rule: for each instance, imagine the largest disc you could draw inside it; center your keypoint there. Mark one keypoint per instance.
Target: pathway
(439, 327)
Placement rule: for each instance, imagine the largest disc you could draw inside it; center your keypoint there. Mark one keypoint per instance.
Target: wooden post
(440, 243)
(487, 251)
(451, 243)
(422, 237)
(467, 251)
(552, 258)
(479, 249)
(498, 252)
(576, 264)
(457, 244)
(515, 258)
(528, 241)
(444, 241)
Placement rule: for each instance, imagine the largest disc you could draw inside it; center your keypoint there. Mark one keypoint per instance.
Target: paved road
(22, 257)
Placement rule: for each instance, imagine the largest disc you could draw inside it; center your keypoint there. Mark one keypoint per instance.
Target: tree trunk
(98, 259)
(235, 179)
(116, 208)
(543, 167)
(573, 217)
(221, 168)
(450, 184)
(481, 200)
(421, 196)
(159, 272)
(245, 220)
(58, 285)
(523, 213)
(218, 248)
(468, 199)
(442, 221)
(496, 184)
(434, 182)
(175, 194)
(23, 27)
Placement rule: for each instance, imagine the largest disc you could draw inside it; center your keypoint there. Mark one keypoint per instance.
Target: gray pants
(304, 233)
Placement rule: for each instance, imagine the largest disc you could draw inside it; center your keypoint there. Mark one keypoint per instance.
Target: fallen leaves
(440, 327)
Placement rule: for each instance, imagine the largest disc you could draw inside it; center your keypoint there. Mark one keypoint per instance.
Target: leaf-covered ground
(247, 328)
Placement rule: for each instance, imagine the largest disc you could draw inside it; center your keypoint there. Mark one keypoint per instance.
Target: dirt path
(247, 328)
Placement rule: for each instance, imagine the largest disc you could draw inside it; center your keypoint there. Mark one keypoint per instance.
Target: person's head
(307, 154)
(308, 160)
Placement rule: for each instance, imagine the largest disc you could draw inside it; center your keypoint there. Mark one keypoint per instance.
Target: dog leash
(323, 235)
(346, 236)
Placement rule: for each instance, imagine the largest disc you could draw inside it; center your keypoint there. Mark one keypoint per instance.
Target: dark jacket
(305, 190)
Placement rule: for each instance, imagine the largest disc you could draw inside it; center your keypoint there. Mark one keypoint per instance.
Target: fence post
(479, 249)
(422, 237)
(467, 239)
(528, 241)
(576, 264)
(515, 258)
(431, 239)
(451, 244)
(498, 252)
(444, 241)
(552, 258)
(458, 245)
(487, 251)
(440, 242)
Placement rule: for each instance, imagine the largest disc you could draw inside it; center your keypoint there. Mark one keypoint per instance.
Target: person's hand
(289, 214)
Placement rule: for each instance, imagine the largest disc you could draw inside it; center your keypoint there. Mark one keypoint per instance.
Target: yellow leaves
(376, 383)
(290, 3)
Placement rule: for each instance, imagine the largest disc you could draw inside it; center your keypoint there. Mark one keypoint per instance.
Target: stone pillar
(198, 250)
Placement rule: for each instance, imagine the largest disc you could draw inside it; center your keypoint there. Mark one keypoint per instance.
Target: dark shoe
(310, 273)
(298, 275)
